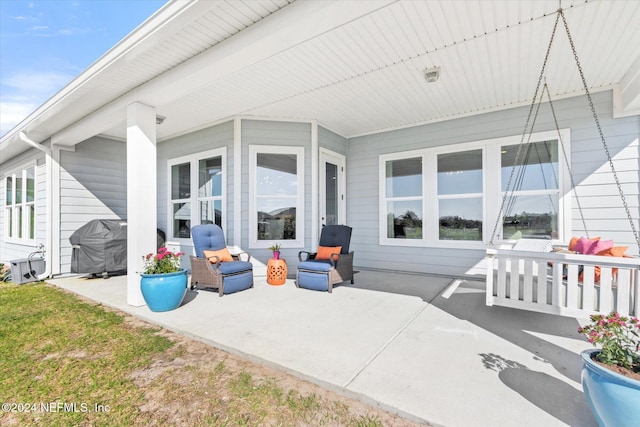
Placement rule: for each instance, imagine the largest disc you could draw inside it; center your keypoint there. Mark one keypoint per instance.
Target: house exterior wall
(217, 136)
(14, 250)
(595, 185)
(283, 134)
(93, 180)
(93, 185)
(332, 141)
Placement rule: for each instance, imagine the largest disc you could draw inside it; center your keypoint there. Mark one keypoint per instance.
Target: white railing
(562, 284)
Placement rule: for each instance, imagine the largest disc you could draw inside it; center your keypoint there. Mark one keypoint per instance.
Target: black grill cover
(99, 247)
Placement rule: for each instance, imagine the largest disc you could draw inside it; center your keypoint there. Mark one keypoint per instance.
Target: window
(531, 207)
(460, 195)
(404, 198)
(196, 181)
(276, 196)
(451, 195)
(20, 205)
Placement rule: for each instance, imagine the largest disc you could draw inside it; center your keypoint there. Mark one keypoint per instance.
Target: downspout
(48, 170)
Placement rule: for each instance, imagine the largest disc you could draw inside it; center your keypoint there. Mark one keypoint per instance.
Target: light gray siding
(93, 185)
(589, 166)
(262, 132)
(332, 141)
(8, 250)
(203, 140)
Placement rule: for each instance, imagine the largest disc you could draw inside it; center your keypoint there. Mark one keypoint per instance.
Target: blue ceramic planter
(164, 292)
(614, 399)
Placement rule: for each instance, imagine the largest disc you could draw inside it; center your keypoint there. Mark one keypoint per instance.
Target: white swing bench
(548, 282)
(551, 282)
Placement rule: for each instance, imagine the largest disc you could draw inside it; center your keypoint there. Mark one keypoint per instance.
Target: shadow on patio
(549, 339)
(450, 361)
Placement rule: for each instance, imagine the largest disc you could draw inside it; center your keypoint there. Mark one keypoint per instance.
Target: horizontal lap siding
(11, 251)
(597, 191)
(211, 138)
(93, 185)
(332, 141)
(277, 133)
(590, 169)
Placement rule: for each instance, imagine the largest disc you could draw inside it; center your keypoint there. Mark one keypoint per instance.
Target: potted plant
(275, 248)
(611, 374)
(163, 282)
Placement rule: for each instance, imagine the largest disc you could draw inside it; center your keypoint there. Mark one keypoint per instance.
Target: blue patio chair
(214, 266)
(331, 264)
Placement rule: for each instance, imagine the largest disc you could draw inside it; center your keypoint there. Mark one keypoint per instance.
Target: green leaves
(619, 337)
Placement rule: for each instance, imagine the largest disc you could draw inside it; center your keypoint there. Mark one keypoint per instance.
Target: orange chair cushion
(223, 254)
(324, 252)
(615, 251)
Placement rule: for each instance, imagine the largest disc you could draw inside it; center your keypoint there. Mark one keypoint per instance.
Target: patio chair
(331, 264)
(213, 265)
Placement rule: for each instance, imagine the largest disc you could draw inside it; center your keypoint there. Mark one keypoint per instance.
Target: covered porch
(424, 346)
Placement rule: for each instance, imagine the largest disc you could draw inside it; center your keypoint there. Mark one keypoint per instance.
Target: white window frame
(434, 217)
(11, 212)
(492, 191)
(384, 240)
(193, 160)
(254, 150)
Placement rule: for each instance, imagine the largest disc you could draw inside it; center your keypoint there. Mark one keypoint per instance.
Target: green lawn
(64, 361)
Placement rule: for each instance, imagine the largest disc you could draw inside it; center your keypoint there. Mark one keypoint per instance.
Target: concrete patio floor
(422, 346)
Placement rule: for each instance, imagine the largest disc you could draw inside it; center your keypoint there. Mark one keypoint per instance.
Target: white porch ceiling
(354, 66)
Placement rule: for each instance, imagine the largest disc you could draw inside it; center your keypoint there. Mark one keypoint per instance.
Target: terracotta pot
(614, 399)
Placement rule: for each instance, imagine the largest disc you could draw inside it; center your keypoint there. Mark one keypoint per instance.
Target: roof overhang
(356, 67)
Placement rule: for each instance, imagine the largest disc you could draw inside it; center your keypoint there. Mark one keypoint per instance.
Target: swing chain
(597, 121)
(602, 139)
(566, 160)
(524, 133)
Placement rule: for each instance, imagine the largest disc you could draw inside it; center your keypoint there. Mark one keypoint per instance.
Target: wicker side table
(276, 271)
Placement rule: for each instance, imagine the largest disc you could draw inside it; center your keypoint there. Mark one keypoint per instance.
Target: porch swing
(530, 274)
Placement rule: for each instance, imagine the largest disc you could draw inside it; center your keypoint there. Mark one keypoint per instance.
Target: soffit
(365, 75)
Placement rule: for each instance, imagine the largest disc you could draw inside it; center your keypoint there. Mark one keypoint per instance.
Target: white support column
(53, 222)
(237, 182)
(141, 194)
(315, 184)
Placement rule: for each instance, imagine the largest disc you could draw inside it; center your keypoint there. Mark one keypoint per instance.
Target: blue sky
(44, 44)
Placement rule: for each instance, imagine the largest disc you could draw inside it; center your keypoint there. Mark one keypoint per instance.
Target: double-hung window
(196, 192)
(276, 196)
(532, 202)
(20, 205)
(460, 195)
(403, 201)
(447, 196)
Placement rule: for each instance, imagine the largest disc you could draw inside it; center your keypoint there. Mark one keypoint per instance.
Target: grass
(64, 361)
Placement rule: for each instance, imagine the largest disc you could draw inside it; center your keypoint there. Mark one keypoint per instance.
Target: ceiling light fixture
(431, 74)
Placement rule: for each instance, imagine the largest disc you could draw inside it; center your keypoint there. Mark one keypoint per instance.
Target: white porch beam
(626, 95)
(141, 194)
(277, 33)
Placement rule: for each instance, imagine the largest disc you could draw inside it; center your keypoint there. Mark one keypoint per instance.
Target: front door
(332, 188)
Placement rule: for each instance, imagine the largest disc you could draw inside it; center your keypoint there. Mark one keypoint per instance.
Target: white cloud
(12, 113)
(22, 93)
(36, 84)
